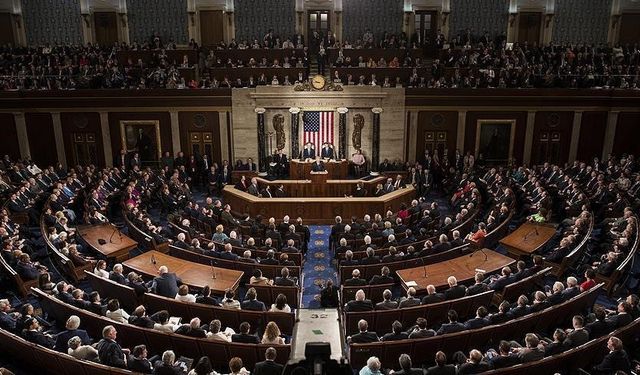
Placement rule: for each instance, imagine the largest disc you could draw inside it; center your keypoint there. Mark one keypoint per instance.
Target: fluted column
(342, 133)
(375, 152)
(262, 152)
(295, 124)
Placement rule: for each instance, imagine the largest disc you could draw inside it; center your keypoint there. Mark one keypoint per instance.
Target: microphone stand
(480, 250)
(424, 267)
(115, 229)
(213, 271)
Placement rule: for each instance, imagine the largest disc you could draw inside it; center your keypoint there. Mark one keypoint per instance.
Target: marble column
(462, 125)
(23, 137)
(610, 134)
(575, 136)
(342, 132)
(295, 125)
(375, 142)
(262, 152)
(106, 138)
(175, 132)
(58, 138)
(224, 136)
(528, 138)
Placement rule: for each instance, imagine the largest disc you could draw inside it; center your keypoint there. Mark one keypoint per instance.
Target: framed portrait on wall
(142, 136)
(494, 140)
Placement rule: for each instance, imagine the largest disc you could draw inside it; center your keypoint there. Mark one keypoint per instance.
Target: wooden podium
(318, 182)
(528, 238)
(299, 169)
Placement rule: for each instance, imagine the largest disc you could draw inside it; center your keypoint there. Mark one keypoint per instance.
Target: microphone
(424, 267)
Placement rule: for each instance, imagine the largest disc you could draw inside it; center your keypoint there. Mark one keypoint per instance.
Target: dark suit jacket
(473, 368)
(354, 305)
(442, 370)
(408, 302)
(167, 285)
(394, 336)
(450, 328)
(329, 297)
(355, 282)
(576, 338)
(281, 281)
(253, 305)
(39, 338)
(613, 361)
(379, 279)
(477, 289)
(110, 353)
(455, 292)
(268, 368)
(386, 305)
(117, 277)
(619, 320)
(162, 369)
(140, 365)
(364, 337)
(432, 298)
(64, 336)
(476, 323)
(245, 338)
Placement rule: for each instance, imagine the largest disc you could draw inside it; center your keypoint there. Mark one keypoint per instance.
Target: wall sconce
(547, 20)
(192, 17)
(230, 18)
(512, 18)
(407, 17)
(616, 19)
(445, 17)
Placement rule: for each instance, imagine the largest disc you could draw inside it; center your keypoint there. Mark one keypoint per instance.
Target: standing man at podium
(318, 165)
(327, 151)
(309, 152)
(281, 163)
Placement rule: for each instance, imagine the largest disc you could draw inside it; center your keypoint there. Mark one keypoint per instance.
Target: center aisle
(318, 267)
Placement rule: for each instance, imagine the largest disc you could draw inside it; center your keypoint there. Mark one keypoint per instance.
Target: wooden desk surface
(193, 274)
(117, 248)
(528, 238)
(463, 268)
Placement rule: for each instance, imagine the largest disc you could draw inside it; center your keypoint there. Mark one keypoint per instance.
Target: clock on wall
(318, 82)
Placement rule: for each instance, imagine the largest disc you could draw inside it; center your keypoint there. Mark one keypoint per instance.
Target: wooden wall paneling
(435, 122)
(81, 122)
(552, 124)
(629, 30)
(9, 139)
(592, 131)
(211, 27)
(627, 131)
(471, 124)
(106, 27)
(41, 138)
(6, 29)
(200, 122)
(165, 128)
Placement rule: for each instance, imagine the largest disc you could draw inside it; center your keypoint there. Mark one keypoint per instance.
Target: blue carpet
(317, 266)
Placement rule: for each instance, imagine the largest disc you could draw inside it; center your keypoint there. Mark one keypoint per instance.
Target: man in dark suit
(71, 330)
(268, 366)
(251, 303)
(406, 366)
(309, 151)
(420, 330)
(531, 352)
(166, 284)
(355, 279)
(329, 295)
(453, 325)
(410, 300)
(474, 364)
(442, 245)
(504, 358)
(480, 319)
(371, 257)
(244, 336)
(622, 318)
(327, 152)
(116, 274)
(192, 329)
(387, 303)
(363, 336)
(455, 291)
(109, 351)
(8, 319)
(579, 335)
(432, 296)
(501, 281)
(479, 286)
(616, 360)
(284, 279)
(359, 304)
(33, 334)
(396, 333)
(317, 166)
(383, 278)
(441, 367)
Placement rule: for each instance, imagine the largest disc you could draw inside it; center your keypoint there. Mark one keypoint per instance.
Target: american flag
(318, 128)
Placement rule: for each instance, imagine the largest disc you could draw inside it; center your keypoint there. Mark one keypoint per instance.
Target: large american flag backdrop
(318, 128)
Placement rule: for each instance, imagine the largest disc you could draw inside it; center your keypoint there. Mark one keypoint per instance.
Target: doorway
(211, 27)
(200, 144)
(426, 29)
(318, 23)
(106, 27)
(529, 27)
